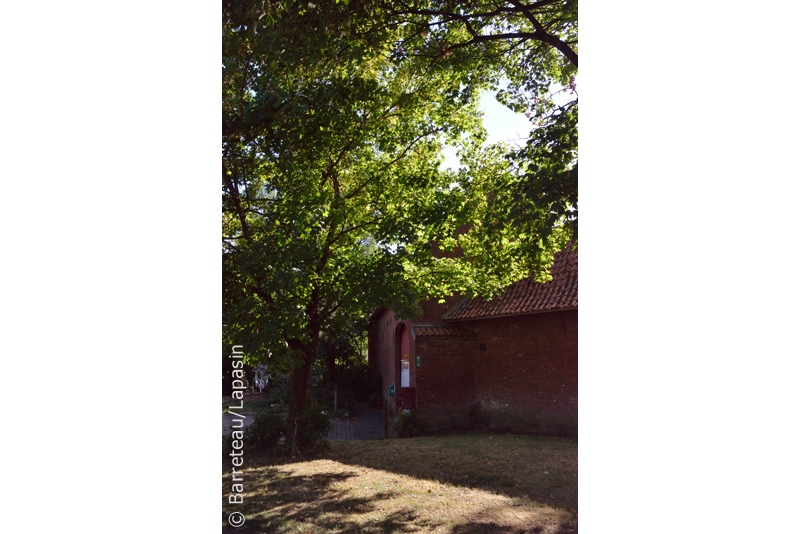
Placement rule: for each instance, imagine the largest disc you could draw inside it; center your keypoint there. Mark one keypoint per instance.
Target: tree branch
(237, 204)
(392, 162)
(545, 37)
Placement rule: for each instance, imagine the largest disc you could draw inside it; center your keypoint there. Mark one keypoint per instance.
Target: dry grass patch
(447, 484)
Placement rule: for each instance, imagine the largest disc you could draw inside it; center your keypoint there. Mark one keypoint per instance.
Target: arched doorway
(405, 369)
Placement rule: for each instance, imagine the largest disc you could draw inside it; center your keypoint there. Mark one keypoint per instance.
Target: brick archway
(404, 368)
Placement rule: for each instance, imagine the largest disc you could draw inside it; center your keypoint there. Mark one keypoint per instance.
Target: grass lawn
(450, 484)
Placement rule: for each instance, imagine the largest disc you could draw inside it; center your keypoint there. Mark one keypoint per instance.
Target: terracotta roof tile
(425, 330)
(527, 296)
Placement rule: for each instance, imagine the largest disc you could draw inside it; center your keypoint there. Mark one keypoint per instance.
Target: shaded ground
(487, 484)
(367, 423)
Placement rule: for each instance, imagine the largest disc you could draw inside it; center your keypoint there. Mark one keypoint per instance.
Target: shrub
(315, 426)
(409, 424)
(279, 388)
(257, 405)
(265, 431)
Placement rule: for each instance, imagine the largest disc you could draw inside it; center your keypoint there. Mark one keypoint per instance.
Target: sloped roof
(425, 330)
(527, 296)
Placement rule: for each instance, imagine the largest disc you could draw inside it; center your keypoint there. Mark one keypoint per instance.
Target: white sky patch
(501, 124)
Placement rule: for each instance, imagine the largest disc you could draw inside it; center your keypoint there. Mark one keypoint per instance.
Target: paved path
(367, 424)
(342, 430)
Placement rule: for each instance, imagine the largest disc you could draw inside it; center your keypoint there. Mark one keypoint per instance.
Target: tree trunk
(297, 398)
(301, 375)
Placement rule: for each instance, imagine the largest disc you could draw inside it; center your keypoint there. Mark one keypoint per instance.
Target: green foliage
(309, 434)
(533, 48)
(315, 425)
(278, 389)
(543, 199)
(257, 405)
(409, 424)
(265, 431)
(332, 190)
(358, 383)
(301, 195)
(346, 350)
(334, 119)
(532, 43)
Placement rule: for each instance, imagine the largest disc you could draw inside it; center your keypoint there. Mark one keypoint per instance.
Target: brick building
(509, 363)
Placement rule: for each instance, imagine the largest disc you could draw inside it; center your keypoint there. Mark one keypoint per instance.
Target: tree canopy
(334, 120)
(532, 46)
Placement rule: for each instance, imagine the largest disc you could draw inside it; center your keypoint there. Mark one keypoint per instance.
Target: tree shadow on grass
(311, 503)
(500, 520)
(318, 497)
(543, 470)
(532, 469)
(489, 526)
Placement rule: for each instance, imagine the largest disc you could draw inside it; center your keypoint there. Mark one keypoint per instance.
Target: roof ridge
(456, 307)
(527, 295)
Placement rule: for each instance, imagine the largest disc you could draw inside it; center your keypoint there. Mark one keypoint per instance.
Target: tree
(536, 33)
(533, 44)
(332, 190)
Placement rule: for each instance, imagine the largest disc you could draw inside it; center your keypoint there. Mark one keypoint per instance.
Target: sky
(501, 124)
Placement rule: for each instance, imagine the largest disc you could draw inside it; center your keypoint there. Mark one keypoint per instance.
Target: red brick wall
(526, 379)
(432, 311)
(446, 379)
(383, 349)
